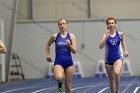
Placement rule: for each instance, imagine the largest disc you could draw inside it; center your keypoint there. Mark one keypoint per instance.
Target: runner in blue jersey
(114, 42)
(65, 43)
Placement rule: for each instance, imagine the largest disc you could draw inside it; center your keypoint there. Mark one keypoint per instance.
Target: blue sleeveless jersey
(113, 50)
(62, 50)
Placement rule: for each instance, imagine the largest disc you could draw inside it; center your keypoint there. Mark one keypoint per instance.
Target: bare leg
(58, 73)
(110, 73)
(117, 70)
(68, 78)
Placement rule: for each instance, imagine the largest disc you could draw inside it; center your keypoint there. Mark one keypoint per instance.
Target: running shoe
(60, 87)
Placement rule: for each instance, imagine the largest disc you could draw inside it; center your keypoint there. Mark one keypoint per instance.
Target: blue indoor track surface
(82, 85)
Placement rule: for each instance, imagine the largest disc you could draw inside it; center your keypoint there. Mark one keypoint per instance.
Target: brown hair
(62, 19)
(111, 18)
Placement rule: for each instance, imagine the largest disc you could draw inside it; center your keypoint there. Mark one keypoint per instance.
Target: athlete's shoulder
(53, 36)
(72, 35)
(121, 33)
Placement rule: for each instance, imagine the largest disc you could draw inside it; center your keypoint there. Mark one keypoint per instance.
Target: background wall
(30, 41)
(7, 14)
(77, 9)
(37, 20)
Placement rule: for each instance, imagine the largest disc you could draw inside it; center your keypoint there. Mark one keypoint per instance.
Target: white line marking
(12, 90)
(136, 89)
(42, 89)
(76, 88)
(128, 85)
(87, 89)
(103, 89)
(81, 87)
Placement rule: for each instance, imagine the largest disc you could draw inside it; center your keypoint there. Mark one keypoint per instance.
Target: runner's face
(62, 25)
(111, 25)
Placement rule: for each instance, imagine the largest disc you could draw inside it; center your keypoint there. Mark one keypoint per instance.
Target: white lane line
(90, 86)
(42, 89)
(18, 89)
(39, 90)
(82, 87)
(103, 89)
(120, 85)
(85, 87)
(136, 89)
(128, 85)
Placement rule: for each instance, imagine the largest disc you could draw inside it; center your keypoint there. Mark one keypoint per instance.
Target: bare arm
(73, 45)
(123, 44)
(50, 41)
(2, 47)
(103, 41)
